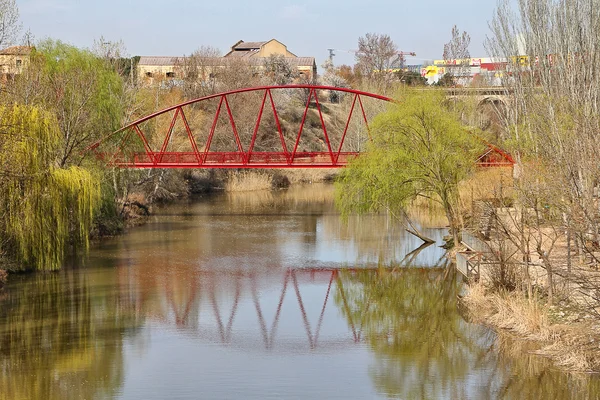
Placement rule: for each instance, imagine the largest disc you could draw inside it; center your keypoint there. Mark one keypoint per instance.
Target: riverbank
(564, 332)
(512, 296)
(137, 206)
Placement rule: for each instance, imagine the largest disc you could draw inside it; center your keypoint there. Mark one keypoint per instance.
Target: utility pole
(331, 55)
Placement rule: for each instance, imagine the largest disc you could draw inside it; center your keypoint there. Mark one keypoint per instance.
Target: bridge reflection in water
(213, 301)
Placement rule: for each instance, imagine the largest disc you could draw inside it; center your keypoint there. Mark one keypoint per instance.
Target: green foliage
(67, 323)
(446, 81)
(409, 319)
(410, 78)
(81, 90)
(42, 205)
(418, 148)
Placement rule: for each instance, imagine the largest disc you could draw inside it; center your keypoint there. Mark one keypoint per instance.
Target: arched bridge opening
(292, 126)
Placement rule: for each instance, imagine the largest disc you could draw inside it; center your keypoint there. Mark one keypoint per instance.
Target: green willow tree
(419, 148)
(82, 90)
(43, 207)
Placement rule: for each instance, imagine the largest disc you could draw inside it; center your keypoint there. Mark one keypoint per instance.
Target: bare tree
(278, 70)
(458, 46)
(9, 22)
(375, 57)
(198, 72)
(457, 49)
(332, 77)
(551, 49)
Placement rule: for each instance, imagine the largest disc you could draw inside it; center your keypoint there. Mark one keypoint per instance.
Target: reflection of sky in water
(387, 246)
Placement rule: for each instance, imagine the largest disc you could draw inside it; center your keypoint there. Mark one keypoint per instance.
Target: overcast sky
(308, 28)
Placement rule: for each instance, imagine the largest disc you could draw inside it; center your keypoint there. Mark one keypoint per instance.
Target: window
(149, 74)
(170, 74)
(19, 62)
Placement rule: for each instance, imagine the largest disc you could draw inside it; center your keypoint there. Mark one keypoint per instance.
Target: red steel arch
(285, 157)
(246, 156)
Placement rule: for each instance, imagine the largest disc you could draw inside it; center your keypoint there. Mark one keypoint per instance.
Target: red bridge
(255, 127)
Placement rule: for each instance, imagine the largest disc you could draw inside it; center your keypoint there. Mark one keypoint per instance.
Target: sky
(308, 28)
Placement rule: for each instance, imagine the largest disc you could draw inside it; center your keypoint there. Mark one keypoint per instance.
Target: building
(13, 60)
(153, 69)
(465, 71)
(259, 49)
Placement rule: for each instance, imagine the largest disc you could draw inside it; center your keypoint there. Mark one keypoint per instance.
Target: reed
(245, 181)
(570, 344)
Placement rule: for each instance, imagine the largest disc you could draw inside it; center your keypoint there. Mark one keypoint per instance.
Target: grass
(573, 346)
(487, 183)
(310, 175)
(246, 181)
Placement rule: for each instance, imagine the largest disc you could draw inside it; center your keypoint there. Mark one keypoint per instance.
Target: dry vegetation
(243, 181)
(312, 175)
(541, 280)
(550, 329)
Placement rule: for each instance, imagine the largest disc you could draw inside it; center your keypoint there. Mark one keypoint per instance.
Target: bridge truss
(257, 127)
(224, 144)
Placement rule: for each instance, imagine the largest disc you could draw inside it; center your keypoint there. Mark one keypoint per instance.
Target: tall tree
(81, 90)
(332, 77)
(42, 206)
(457, 49)
(198, 72)
(552, 50)
(9, 22)
(375, 57)
(419, 148)
(458, 46)
(278, 70)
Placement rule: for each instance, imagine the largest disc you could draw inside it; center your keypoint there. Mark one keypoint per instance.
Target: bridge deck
(233, 160)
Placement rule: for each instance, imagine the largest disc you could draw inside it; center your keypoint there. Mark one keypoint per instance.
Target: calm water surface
(260, 296)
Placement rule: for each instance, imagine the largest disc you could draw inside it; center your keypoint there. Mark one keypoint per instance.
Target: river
(260, 296)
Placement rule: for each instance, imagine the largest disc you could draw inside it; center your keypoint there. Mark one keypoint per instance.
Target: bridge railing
(231, 159)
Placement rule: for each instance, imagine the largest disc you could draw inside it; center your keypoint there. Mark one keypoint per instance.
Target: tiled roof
(16, 51)
(240, 54)
(248, 45)
(222, 61)
(293, 61)
(301, 61)
(159, 60)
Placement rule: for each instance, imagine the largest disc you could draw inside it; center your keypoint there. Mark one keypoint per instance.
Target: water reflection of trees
(317, 198)
(521, 373)
(424, 348)
(61, 337)
(409, 319)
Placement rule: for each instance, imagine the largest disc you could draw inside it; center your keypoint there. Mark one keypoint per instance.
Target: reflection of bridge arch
(190, 318)
(247, 281)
